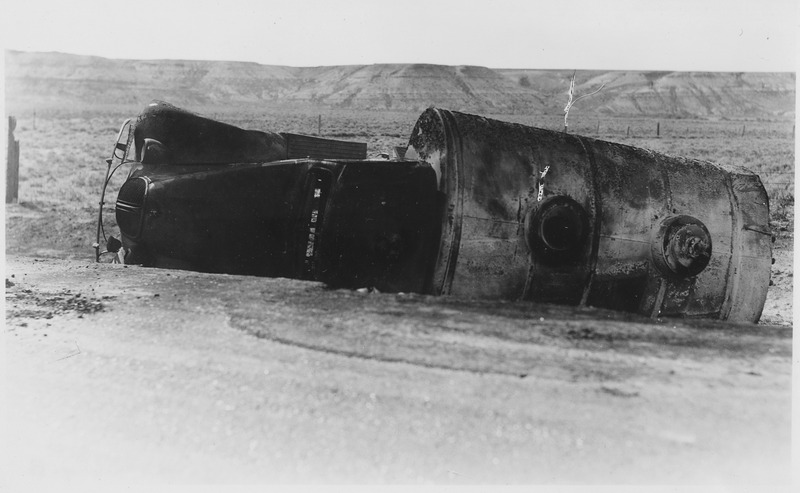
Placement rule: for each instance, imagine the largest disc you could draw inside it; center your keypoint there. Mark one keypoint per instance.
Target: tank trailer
(473, 207)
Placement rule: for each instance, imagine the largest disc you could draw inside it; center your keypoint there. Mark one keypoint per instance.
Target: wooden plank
(12, 164)
(305, 146)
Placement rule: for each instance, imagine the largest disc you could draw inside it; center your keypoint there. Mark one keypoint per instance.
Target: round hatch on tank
(556, 231)
(682, 246)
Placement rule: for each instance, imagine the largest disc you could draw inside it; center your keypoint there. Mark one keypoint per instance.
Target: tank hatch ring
(557, 230)
(681, 247)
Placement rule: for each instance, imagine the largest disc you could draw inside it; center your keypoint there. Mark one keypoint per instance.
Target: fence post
(12, 164)
(319, 125)
(658, 129)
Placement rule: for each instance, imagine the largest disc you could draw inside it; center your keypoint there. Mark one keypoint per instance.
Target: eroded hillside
(47, 79)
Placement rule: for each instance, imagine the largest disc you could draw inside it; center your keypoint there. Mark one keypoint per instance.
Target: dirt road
(125, 374)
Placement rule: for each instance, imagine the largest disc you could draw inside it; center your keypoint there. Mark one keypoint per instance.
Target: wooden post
(598, 128)
(628, 133)
(658, 129)
(743, 129)
(12, 164)
(319, 125)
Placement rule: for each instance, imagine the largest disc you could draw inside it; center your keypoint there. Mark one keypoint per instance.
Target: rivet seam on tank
(541, 184)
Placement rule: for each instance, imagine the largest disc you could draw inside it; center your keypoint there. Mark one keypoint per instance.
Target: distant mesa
(42, 79)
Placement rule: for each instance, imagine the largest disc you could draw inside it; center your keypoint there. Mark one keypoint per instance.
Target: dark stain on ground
(587, 333)
(30, 304)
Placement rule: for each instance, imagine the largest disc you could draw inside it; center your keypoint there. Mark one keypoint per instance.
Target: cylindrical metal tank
(553, 217)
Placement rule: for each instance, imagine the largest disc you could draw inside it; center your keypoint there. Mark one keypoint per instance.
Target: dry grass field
(63, 152)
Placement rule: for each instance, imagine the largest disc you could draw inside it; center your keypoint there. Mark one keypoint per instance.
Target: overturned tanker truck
(476, 208)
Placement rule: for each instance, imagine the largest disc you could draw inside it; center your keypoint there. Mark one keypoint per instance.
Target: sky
(706, 35)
